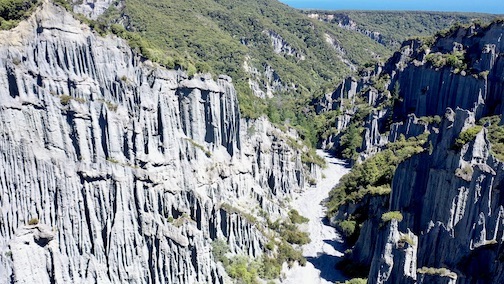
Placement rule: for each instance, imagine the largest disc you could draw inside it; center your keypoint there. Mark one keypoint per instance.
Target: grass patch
(436, 119)
(296, 218)
(231, 209)
(354, 281)
(407, 239)
(199, 146)
(437, 271)
(65, 100)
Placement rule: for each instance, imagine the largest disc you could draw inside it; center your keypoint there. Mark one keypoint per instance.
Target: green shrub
(437, 271)
(270, 245)
(33, 221)
(351, 141)
(407, 239)
(63, 3)
(374, 176)
(199, 146)
(292, 234)
(495, 135)
(269, 268)
(13, 11)
(347, 227)
(111, 106)
(219, 249)
(436, 119)
(296, 218)
(436, 59)
(388, 216)
(456, 60)
(286, 253)
(65, 99)
(483, 74)
(311, 157)
(467, 135)
(241, 268)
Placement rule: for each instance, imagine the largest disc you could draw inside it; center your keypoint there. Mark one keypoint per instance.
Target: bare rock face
(453, 219)
(132, 167)
(449, 195)
(396, 261)
(92, 8)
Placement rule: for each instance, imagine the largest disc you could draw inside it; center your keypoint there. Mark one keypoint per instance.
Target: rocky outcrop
(450, 201)
(395, 260)
(267, 82)
(428, 89)
(449, 194)
(281, 46)
(423, 79)
(333, 42)
(92, 9)
(457, 220)
(130, 168)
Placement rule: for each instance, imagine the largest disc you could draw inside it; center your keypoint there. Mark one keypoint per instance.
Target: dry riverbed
(326, 244)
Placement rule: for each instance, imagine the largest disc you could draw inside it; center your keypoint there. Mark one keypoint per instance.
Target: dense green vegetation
(455, 60)
(219, 36)
(374, 176)
(283, 235)
(467, 135)
(392, 215)
(397, 26)
(13, 11)
(289, 231)
(238, 266)
(495, 135)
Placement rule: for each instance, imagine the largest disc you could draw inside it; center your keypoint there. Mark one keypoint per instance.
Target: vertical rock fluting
(449, 196)
(451, 201)
(126, 165)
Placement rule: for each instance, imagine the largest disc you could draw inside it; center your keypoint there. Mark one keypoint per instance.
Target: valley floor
(326, 246)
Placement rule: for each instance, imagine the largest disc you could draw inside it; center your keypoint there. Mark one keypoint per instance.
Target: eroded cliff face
(129, 168)
(450, 199)
(448, 195)
(421, 79)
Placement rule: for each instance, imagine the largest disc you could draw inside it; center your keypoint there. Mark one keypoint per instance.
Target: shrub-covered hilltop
(391, 28)
(423, 202)
(12, 11)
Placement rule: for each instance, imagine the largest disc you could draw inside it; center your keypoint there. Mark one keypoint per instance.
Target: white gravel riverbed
(326, 246)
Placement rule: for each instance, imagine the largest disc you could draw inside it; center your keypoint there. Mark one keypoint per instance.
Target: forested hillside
(391, 28)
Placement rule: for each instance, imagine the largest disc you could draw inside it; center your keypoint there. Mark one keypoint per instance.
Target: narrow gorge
(125, 158)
